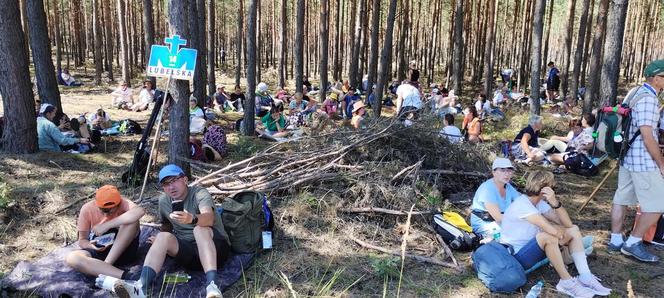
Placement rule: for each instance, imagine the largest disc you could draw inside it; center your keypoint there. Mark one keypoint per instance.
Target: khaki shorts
(644, 188)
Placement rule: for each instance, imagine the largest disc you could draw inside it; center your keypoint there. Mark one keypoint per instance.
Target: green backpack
(246, 216)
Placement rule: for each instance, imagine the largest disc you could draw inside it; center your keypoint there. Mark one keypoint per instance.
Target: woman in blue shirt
(49, 136)
(492, 199)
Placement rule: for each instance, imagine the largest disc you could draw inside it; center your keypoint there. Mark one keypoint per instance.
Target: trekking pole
(598, 186)
(157, 136)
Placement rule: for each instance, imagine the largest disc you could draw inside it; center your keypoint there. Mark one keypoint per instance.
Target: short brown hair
(537, 180)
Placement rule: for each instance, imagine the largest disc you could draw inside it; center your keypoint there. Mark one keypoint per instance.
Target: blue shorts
(530, 254)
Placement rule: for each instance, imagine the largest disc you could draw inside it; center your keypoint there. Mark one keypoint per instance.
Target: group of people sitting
(123, 97)
(192, 234)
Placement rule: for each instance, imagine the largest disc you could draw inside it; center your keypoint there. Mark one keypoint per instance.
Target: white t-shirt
(498, 98)
(515, 229)
(146, 96)
(410, 95)
(452, 133)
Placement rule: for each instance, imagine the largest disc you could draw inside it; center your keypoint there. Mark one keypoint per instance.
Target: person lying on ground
(409, 100)
(560, 142)
(236, 100)
(122, 97)
(582, 143)
(145, 97)
(192, 234)
(492, 199)
(263, 100)
(536, 224)
(525, 145)
(359, 115)
(49, 136)
(68, 79)
(100, 120)
(274, 121)
(472, 125)
(449, 131)
(221, 99)
(112, 217)
(348, 101)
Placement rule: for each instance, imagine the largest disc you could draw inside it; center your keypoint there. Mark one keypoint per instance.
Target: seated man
(449, 131)
(536, 224)
(122, 97)
(524, 147)
(492, 199)
(144, 98)
(236, 100)
(100, 120)
(221, 99)
(68, 79)
(191, 233)
(108, 214)
(347, 103)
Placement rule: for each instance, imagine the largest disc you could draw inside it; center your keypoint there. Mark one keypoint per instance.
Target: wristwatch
(195, 220)
(560, 204)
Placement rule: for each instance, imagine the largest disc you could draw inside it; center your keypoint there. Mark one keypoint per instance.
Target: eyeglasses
(169, 182)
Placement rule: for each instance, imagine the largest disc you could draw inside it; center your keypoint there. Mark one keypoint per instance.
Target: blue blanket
(51, 277)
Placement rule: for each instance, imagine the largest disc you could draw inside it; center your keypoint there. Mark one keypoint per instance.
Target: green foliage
(385, 267)
(245, 147)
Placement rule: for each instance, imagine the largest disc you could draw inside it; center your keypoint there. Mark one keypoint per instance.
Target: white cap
(501, 163)
(262, 87)
(43, 107)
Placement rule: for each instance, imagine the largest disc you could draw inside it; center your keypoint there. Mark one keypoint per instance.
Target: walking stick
(598, 186)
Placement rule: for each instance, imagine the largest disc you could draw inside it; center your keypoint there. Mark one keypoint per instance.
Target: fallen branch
(398, 254)
(406, 169)
(383, 210)
(447, 249)
(74, 203)
(452, 172)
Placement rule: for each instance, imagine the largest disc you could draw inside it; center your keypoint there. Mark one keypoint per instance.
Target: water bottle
(175, 278)
(496, 234)
(535, 290)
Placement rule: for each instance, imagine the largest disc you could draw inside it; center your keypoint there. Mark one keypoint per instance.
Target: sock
(581, 264)
(210, 276)
(147, 276)
(617, 239)
(125, 275)
(632, 240)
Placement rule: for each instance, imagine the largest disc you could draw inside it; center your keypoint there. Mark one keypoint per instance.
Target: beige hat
(358, 105)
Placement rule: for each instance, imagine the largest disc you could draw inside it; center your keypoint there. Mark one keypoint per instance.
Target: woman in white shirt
(144, 98)
(122, 97)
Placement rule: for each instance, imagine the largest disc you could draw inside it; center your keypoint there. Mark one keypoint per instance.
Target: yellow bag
(457, 220)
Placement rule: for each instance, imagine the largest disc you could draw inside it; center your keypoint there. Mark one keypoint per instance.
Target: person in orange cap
(108, 234)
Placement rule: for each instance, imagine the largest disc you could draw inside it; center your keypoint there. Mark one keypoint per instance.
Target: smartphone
(105, 240)
(177, 206)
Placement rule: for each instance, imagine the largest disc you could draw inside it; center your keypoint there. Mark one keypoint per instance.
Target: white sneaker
(125, 289)
(212, 291)
(574, 288)
(594, 284)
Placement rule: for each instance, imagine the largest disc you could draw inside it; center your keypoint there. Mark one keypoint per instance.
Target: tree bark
(373, 56)
(178, 142)
(488, 49)
(324, 40)
(536, 56)
(238, 45)
(249, 104)
(386, 53)
(457, 64)
(592, 91)
(148, 24)
(402, 65)
(24, 25)
(47, 84)
(58, 37)
(355, 55)
(299, 46)
(124, 46)
(96, 27)
(211, 47)
(109, 38)
(615, 30)
(578, 54)
(20, 129)
(567, 48)
(282, 45)
(194, 42)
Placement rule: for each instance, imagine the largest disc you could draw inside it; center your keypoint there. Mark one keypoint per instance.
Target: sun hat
(107, 196)
(170, 170)
(501, 163)
(358, 105)
(43, 107)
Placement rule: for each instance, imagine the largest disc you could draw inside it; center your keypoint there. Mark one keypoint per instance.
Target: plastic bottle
(496, 234)
(536, 290)
(174, 278)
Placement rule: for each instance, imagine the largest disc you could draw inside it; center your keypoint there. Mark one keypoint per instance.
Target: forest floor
(312, 255)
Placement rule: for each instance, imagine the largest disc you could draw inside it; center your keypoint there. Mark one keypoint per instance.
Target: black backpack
(453, 236)
(579, 163)
(129, 127)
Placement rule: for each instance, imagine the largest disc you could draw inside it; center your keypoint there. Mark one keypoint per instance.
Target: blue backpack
(498, 269)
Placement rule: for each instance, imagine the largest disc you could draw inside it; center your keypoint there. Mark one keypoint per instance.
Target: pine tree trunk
(249, 104)
(586, 46)
(47, 84)
(58, 37)
(20, 128)
(592, 90)
(202, 47)
(457, 63)
(355, 55)
(488, 49)
(282, 45)
(385, 56)
(238, 45)
(578, 54)
(337, 43)
(402, 65)
(546, 55)
(96, 27)
(148, 24)
(211, 46)
(24, 25)
(373, 56)
(124, 46)
(194, 42)
(612, 51)
(536, 56)
(324, 45)
(178, 141)
(299, 46)
(109, 38)
(567, 47)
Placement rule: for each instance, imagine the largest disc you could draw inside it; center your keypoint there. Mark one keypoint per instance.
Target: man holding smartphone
(114, 218)
(191, 233)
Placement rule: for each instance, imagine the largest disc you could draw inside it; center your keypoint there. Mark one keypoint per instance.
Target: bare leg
(126, 234)
(550, 245)
(556, 158)
(617, 218)
(646, 220)
(573, 239)
(82, 262)
(206, 249)
(164, 243)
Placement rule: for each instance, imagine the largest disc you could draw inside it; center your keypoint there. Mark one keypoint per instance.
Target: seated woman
(144, 98)
(122, 97)
(100, 120)
(295, 110)
(581, 143)
(263, 100)
(359, 115)
(524, 147)
(536, 224)
(472, 125)
(330, 105)
(274, 122)
(221, 99)
(560, 143)
(237, 99)
(68, 79)
(492, 199)
(49, 136)
(196, 116)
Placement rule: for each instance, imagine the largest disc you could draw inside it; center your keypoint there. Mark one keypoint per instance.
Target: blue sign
(175, 62)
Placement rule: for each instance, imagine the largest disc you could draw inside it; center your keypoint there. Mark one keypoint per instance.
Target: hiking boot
(638, 251)
(593, 284)
(212, 291)
(126, 289)
(574, 288)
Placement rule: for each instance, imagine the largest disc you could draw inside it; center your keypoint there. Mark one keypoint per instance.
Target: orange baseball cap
(107, 196)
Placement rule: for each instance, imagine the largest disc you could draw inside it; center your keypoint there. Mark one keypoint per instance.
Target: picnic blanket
(51, 277)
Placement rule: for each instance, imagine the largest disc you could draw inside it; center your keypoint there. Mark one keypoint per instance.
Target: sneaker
(126, 289)
(612, 248)
(574, 288)
(659, 243)
(105, 282)
(593, 284)
(639, 252)
(212, 291)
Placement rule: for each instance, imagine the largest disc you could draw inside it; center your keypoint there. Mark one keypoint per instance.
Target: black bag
(130, 127)
(246, 215)
(453, 236)
(579, 163)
